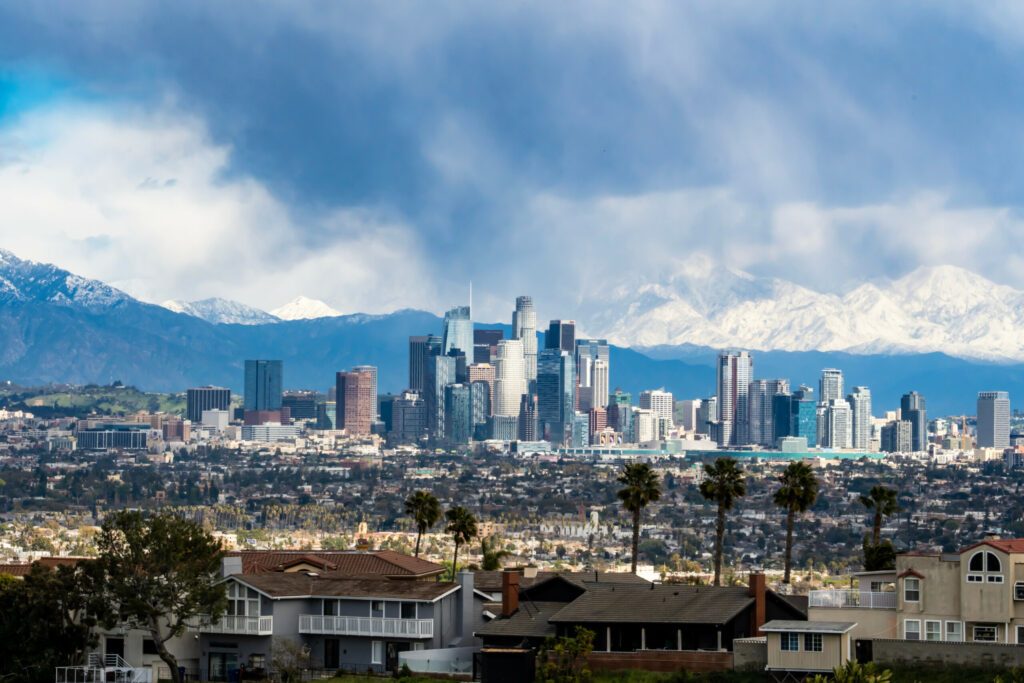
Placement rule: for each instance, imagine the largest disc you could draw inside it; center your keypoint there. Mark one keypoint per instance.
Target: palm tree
(424, 509)
(492, 554)
(798, 492)
(883, 501)
(641, 487)
(462, 526)
(723, 483)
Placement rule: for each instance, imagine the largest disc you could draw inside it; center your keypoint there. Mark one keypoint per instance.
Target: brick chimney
(509, 592)
(756, 590)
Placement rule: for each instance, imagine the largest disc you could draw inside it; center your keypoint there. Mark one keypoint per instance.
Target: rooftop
(780, 625)
(301, 585)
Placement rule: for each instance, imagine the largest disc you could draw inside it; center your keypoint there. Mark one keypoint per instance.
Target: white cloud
(145, 201)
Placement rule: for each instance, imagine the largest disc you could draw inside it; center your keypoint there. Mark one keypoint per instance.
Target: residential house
(808, 646)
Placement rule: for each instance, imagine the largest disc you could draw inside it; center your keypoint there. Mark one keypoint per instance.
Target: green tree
(425, 511)
(723, 483)
(797, 494)
(492, 554)
(161, 572)
(881, 501)
(564, 660)
(462, 526)
(641, 487)
(855, 672)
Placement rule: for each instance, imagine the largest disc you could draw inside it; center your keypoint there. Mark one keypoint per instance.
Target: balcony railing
(852, 599)
(365, 626)
(242, 626)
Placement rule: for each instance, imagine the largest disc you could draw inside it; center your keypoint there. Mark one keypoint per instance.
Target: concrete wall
(750, 654)
(661, 660)
(890, 652)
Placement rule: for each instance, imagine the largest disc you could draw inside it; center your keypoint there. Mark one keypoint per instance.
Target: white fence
(365, 626)
(852, 598)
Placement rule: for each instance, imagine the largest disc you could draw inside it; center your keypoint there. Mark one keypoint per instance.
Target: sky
(384, 155)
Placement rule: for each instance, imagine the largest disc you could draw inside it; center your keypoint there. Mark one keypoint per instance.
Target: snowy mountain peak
(304, 308)
(225, 311)
(23, 280)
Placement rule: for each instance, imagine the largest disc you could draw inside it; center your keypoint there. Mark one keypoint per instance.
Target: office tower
(458, 414)
(205, 398)
(593, 363)
(561, 335)
(408, 418)
(372, 370)
(386, 412)
(483, 372)
(509, 378)
(480, 408)
(796, 415)
(300, 404)
(760, 396)
(556, 384)
(897, 437)
(504, 427)
(912, 409)
(420, 350)
(645, 425)
(661, 402)
(440, 372)
(598, 421)
(860, 410)
(830, 386)
(485, 343)
(528, 418)
(355, 405)
(524, 327)
(686, 410)
(707, 412)
(993, 428)
(620, 414)
(599, 382)
(584, 396)
(326, 414)
(579, 430)
(458, 332)
(838, 424)
(263, 382)
(735, 370)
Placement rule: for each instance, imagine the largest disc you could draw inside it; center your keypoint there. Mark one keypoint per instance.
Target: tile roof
(342, 562)
(490, 581)
(657, 604)
(298, 584)
(533, 620)
(24, 569)
(1007, 545)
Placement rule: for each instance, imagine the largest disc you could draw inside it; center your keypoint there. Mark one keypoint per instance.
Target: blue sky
(381, 155)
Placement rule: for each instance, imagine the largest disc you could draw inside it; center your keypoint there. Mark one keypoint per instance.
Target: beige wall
(835, 652)
(871, 623)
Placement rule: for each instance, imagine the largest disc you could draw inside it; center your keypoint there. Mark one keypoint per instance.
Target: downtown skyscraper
(993, 429)
(912, 409)
(458, 333)
(524, 327)
(556, 386)
(735, 370)
(760, 396)
(509, 378)
(860, 415)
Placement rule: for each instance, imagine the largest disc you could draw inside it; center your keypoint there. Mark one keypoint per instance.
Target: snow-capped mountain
(216, 310)
(23, 280)
(304, 308)
(933, 309)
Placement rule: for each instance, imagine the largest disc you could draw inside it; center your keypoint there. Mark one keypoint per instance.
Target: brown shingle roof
(657, 604)
(341, 562)
(533, 620)
(490, 581)
(297, 584)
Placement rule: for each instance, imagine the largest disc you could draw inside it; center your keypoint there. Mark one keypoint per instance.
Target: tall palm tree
(723, 483)
(462, 526)
(425, 510)
(882, 501)
(492, 554)
(641, 487)
(797, 494)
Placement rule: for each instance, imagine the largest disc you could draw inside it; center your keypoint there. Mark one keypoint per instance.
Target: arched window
(984, 567)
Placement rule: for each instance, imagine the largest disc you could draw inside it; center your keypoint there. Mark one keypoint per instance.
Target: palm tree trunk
(789, 545)
(719, 538)
(636, 536)
(455, 562)
(877, 531)
(419, 535)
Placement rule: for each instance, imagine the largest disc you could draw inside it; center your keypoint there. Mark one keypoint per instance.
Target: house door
(332, 653)
(223, 666)
(392, 656)
(113, 646)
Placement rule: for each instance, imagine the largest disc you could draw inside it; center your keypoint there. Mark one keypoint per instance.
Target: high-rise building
(200, 399)
(912, 409)
(707, 412)
(860, 410)
(458, 414)
(897, 437)
(561, 335)
(458, 332)
(735, 370)
(760, 396)
(528, 429)
(524, 327)
(620, 414)
(420, 350)
(593, 363)
(509, 378)
(645, 425)
(356, 405)
(485, 343)
(327, 413)
(504, 427)
(993, 429)
(598, 421)
(796, 415)
(408, 418)
(440, 372)
(599, 382)
(838, 424)
(372, 369)
(483, 372)
(480, 409)
(263, 382)
(300, 404)
(830, 387)
(661, 402)
(686, 412)
(556, 384)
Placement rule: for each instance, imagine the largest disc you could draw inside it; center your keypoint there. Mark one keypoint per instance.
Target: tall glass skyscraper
(993, 419)
(860, 409)
(796, 415)
(830, 387)
(556, 392)
(524, 327)
(263, 382)
(760, 397)
(912, 409)
(458, 332)
(509, 378)
(735, 370)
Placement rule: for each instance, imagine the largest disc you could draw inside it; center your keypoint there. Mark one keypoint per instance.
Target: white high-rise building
(599, 383)
(688, 412)
(524, 327)
(860, 409)
(760, 393)
(838, 432)
(735, 370)
(830, 388)
(660, 401)
(993, 419)
(645, 424)
(509, 377)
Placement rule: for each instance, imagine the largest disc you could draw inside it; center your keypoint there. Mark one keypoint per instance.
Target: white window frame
(1019, 586)
(1020, 633)
(959, 632)
(995, 634)
(814, 642)
(376, 652)
(789, 637)
(907, 589)
(985, 575)
(916, 622)
(938, 631)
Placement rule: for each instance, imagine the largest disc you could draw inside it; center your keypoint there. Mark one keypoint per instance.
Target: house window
(933, 630)
(408, 610)
(257, 662)
(149, 647)
(376, 608)
(912, 629)
(911, 590)
(242, 601)
(377, 652)
(1020, 635)
(331, 608)
(812, 642)
(984, 566)
(954, 631)
(985, 634)
(790, 642)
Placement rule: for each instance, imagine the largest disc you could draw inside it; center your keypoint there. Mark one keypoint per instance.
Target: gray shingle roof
(292, 585)
(778, 625)
(531, 621)
(657, 604)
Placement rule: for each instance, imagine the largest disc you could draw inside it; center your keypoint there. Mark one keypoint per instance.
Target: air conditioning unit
(1018, 590)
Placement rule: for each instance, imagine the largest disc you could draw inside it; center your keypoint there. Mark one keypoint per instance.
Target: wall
(890, 652)
(871, 623)
(834, 653)
(661, 660)
(750, 654)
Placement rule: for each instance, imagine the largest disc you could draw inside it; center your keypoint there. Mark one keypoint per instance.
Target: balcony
(239, 626)
(316, 624)
(852, 599)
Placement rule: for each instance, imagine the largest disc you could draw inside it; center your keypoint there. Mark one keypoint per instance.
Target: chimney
(756, 590)
(509, 592)
(230, 564)
(467, 606)
(529, 572)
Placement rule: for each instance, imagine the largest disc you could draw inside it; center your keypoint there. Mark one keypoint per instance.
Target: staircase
(100, 668)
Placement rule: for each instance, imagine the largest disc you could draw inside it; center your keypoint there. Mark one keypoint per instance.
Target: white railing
(103, 669)
(852, 598)
(365, 626)
(243, 626)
